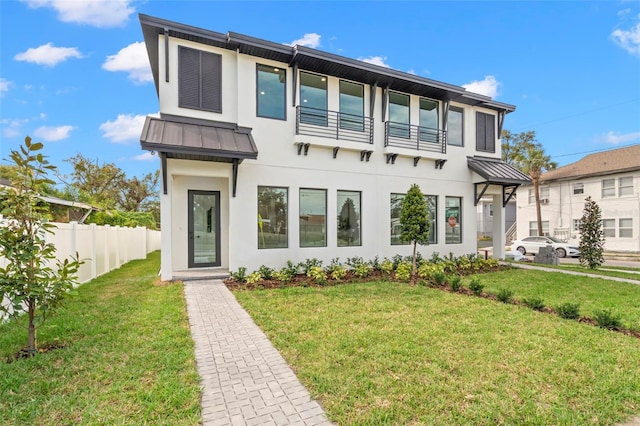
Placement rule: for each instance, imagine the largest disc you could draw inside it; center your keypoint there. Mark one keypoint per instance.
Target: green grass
(128, 357)
(390, 353)
(554, 288)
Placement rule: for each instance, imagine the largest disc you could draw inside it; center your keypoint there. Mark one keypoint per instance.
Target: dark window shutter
(189, 77)
(490, 136)
(200, 80)
(480, 132)
(211, 81)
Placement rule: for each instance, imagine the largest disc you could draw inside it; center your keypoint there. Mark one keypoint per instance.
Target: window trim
(459, 221)
(625, 228)
(359, 218)
(577, 186)
(326, 217)
(461, 111)
(398, 126)
(284, 103)
(610, 228)
(340, 113)
(258, 208)
(625, 186)
(322, 114)
(613, 187)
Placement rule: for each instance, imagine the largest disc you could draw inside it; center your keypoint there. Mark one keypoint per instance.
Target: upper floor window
(485, 132)
(399, 115)
(351, 106)
(271, 87)
(544, 195)
(608, 188)
(455, 125)
(625, 186)
(429, 120)
(200, 79)
(313, 98)
(578, 188)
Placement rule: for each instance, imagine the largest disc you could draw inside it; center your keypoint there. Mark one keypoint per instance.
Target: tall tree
(137, 195)
(28, 281)
(591, 235)
(414, 221)
(526, 153)
(93, 183)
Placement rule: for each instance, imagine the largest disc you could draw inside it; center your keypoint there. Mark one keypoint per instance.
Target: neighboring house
(340, 141)
(611, 178)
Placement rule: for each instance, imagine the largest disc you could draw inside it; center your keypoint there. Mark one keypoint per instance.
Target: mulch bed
(42, 348)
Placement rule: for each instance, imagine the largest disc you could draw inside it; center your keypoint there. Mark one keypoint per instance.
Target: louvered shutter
(211, 67)
(480, 132)
(189, 78)
(490, 133)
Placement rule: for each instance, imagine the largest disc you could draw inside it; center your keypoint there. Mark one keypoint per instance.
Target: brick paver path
(244, 379)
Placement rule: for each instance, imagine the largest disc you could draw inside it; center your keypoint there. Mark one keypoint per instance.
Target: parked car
(531, 245)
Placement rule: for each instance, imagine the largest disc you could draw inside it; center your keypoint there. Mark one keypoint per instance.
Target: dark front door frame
(213, 223)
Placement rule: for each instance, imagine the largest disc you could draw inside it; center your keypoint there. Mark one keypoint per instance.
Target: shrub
(266, 272)
(240, 275)
(386, 266)
(362, 270)
(335, 270)
(254, 277)
(439, 278)
(282, 275)
(504, 295)
(354, 261)
(607, 319)
(435, 257)
(397, 259)
(375, 263)
(534, 303)
(317, 274)
(476, 286)
(428, 269)
(455, 282)
(403, 271)
(568, 310)
(291, 268)
(310, 263)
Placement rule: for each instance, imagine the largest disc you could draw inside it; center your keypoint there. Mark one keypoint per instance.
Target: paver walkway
(244, 379)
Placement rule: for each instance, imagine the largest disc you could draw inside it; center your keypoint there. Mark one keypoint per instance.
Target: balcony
(333, 125)
(418, 138)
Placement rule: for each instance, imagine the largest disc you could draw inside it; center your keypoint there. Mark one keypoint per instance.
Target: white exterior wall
(278, 164)
(564, 207)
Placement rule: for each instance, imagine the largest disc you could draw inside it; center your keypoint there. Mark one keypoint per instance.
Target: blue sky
(75, 75)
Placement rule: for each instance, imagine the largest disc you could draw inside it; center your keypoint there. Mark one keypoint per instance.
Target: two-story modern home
(272, 153)
(611, 178)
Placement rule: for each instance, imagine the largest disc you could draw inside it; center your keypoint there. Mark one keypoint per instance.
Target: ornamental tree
(591, 235)
(414, 221)
(29, 283)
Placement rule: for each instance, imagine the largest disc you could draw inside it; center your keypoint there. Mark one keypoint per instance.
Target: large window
(271, 87)
(432, 208)
(396, 206)
(399, 115)
(199, 79)
(608, 188)
(533, 228)
(313, 98)
(485, 132)
(609, 228)
(453, 215)
(349, 220)
(625, 228)
(273, 217)
(455, 126)
(429, 121)
(313, 217)
(351, 106)
(625, 186)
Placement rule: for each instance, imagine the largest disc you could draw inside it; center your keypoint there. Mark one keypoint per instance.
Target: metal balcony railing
(333, 125)
(415, 137)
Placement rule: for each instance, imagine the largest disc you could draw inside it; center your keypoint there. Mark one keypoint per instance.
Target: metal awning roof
(496, 172)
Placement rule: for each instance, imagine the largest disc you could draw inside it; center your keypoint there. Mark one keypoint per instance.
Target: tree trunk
(536, 190)
(32, 343)
(413, 261)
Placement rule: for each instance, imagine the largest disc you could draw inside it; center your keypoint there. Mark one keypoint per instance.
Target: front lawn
(391, 353)
(128, 357)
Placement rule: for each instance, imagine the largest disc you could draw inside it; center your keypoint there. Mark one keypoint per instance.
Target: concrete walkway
(244, 379)
(566, 271)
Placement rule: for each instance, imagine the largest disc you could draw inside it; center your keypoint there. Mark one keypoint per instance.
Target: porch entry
(204, 228)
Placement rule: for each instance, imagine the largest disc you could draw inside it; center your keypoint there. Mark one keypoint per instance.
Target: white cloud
(310, 40)
(376, 60)
(48, 54)
(4, 86)
(12, 128)
(487, 87)
(629, 40)
(53, 134)
(98, 13)
(616, 138)
(133, 60)
(147, 156)
(123, 129)
(412, 72)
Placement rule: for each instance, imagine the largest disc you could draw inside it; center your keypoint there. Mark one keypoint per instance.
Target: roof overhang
(496, 172)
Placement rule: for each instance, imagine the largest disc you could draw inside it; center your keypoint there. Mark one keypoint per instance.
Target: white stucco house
(271, 153)
(611, 178)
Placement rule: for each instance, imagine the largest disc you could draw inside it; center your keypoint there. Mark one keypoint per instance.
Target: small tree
(28, 282)
(414, 221)
(591, 235)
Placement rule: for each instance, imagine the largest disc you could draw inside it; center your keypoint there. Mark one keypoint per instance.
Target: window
(313, 98)
(349, 229)
(485, 132)
(490, 209)
(576, 225)
(533, 228)
(399, 115)
(625, 186)
(432, 208)
(608, 188)
(544, 194)
(313, 218)
(273, 217)
(578, 188)
(200, 79)
(429, 121)
(351, 106)
(455, 126)
(625, 228)
(609, 228)
(532, 196)
(453, 214)
(396, 233)
(271, 87)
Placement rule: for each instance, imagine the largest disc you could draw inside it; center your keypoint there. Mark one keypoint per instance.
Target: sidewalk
(565, 271)
(244, 379)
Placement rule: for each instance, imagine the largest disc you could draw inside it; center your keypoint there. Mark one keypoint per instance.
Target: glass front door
(204, 228)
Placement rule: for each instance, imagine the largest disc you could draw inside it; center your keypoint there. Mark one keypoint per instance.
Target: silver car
(531, 245)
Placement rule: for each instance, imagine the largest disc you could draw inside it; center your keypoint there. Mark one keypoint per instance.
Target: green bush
(568, 310)
(427, 270)
(240, 275)
(534, 303)
(607, 319)
(439, 278)
(455, 282)
(318, 275)
(403, 271)
(118, 218)
(310, 263)
(504, 295)
(476, 286)
(362, 270)
(266, 272)
(386, 266)
(254, 277)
